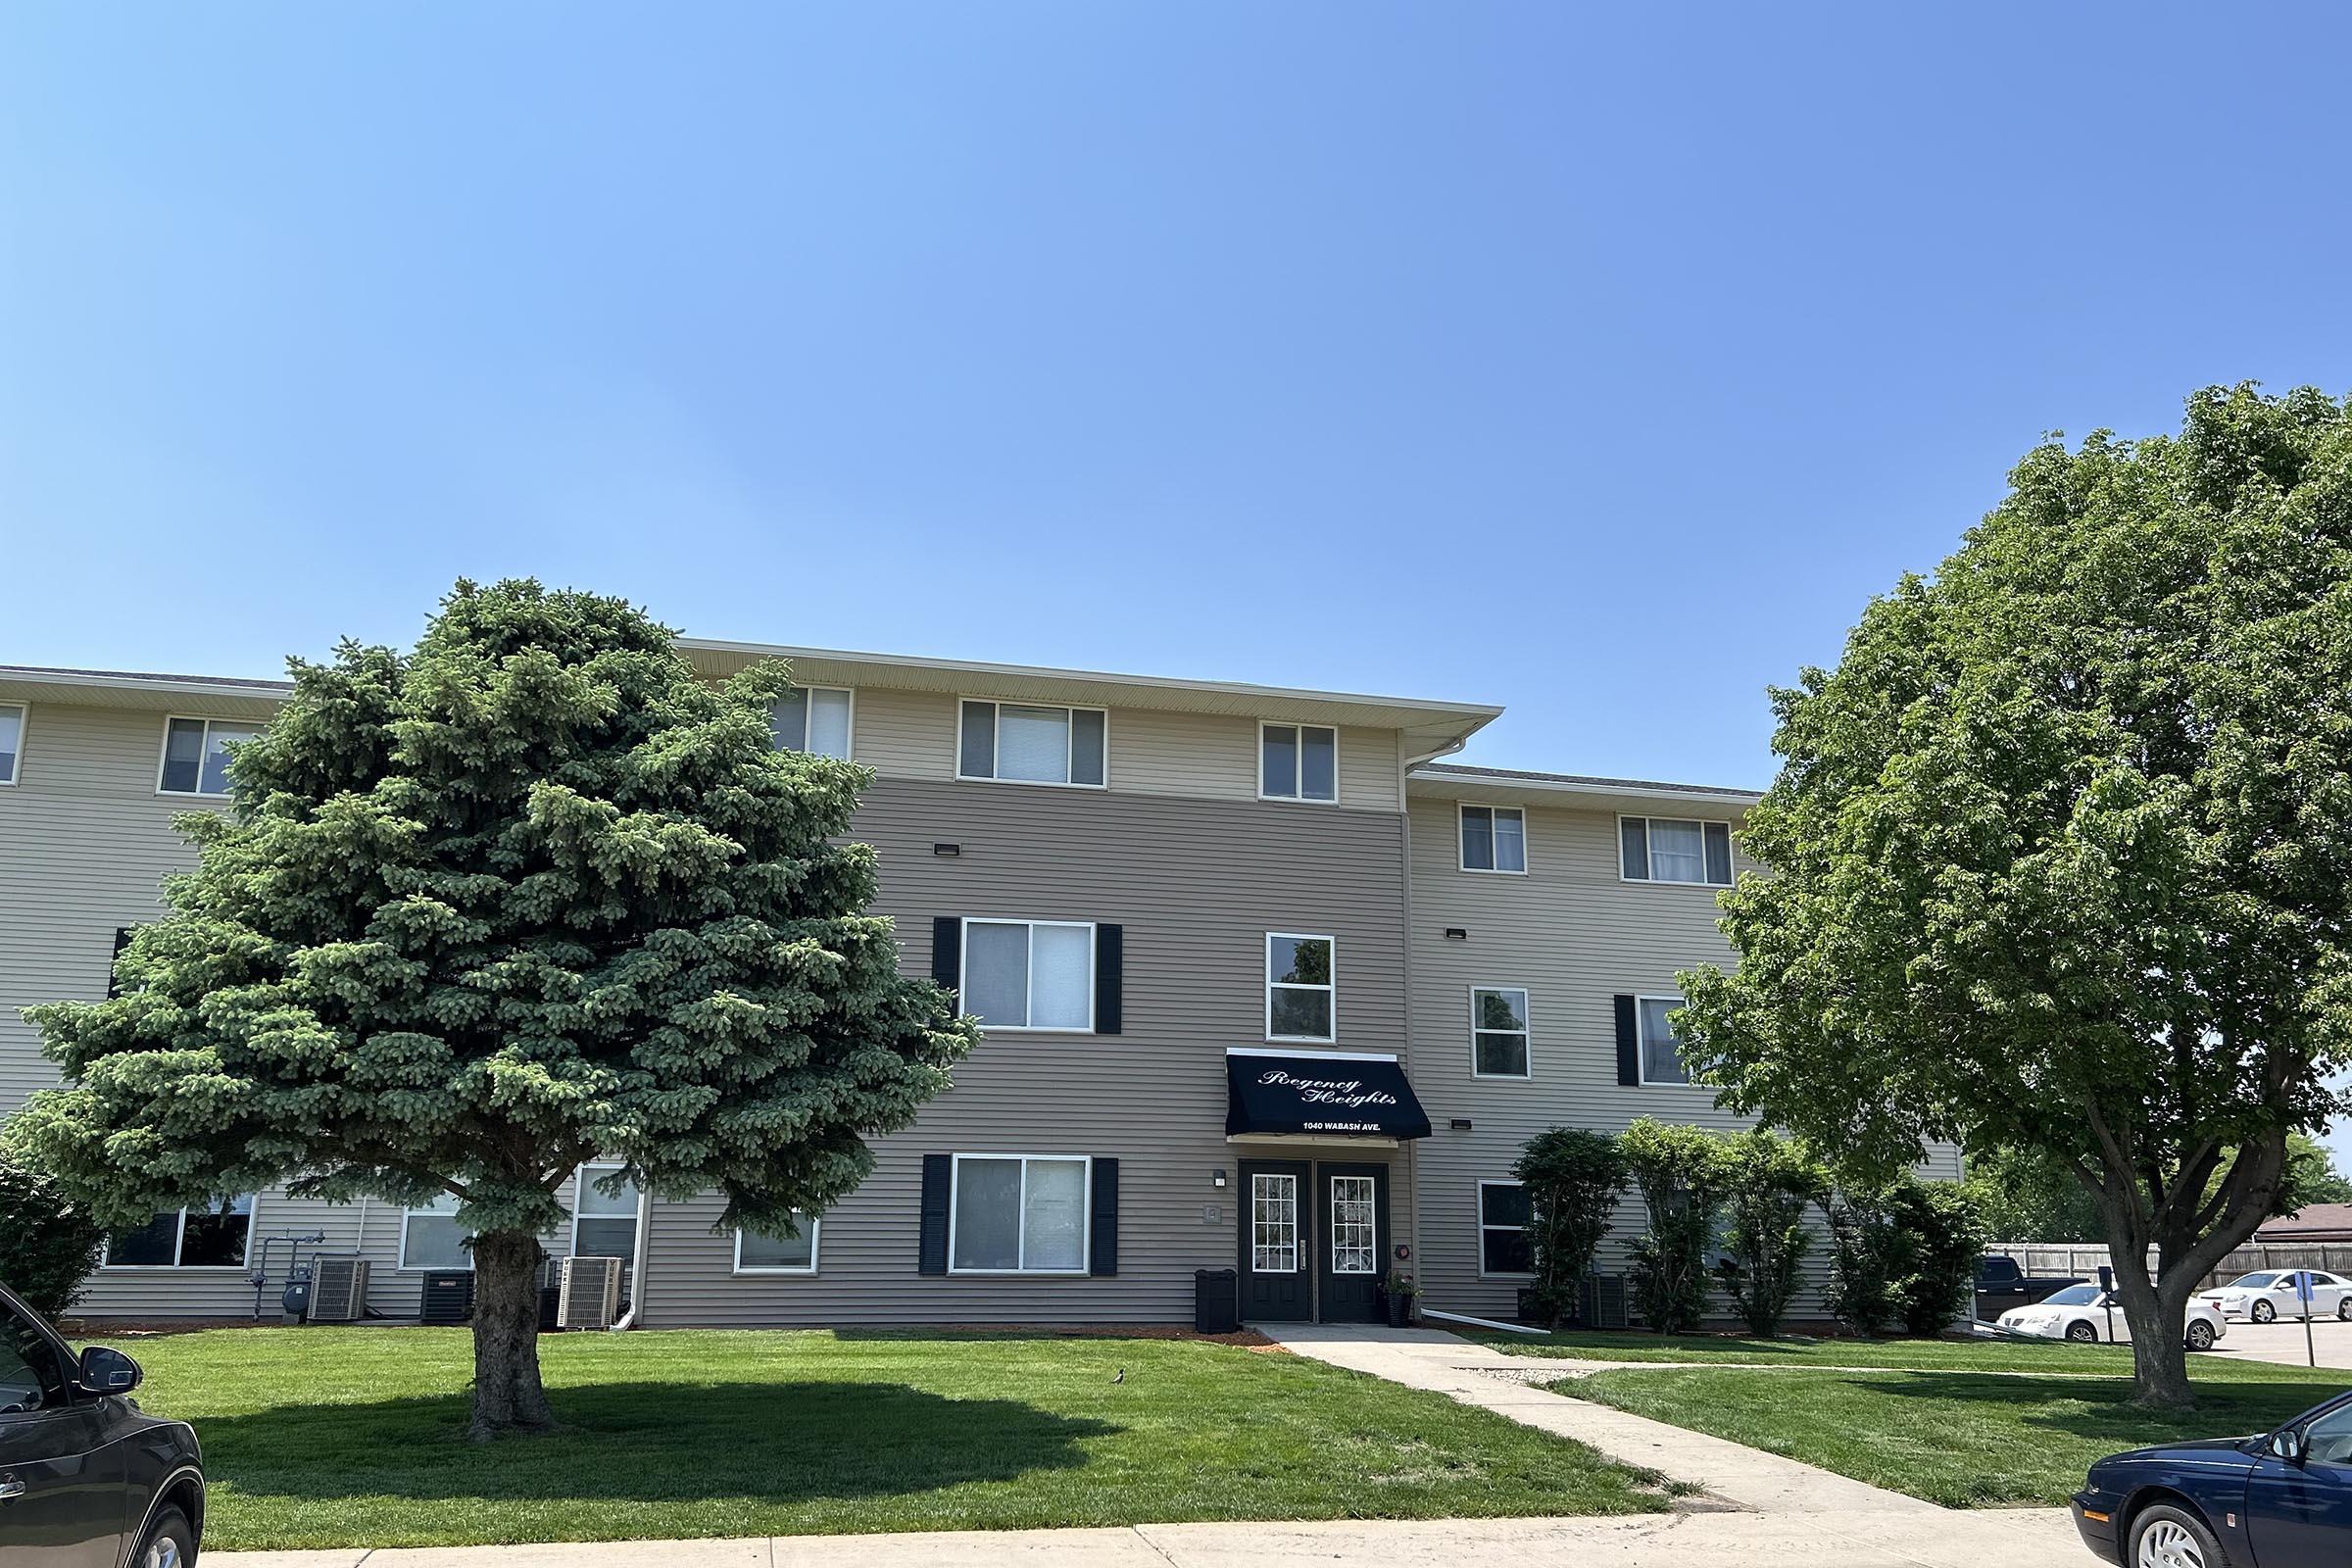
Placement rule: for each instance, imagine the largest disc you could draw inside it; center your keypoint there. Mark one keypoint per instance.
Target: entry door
(1352, 1239)
(1278, 1242)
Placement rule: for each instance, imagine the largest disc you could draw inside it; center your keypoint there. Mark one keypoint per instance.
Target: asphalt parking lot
(2283, 1341)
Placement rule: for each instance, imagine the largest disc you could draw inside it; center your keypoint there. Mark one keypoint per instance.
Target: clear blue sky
(1599, 362)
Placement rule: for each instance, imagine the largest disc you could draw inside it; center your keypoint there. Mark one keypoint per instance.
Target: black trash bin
(1216, 1300)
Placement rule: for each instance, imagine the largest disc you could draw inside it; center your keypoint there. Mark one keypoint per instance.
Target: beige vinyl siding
(1575, 936)
(1195, 885)
(86, 842)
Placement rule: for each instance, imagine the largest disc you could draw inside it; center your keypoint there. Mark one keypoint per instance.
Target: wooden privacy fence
(2083, 1260)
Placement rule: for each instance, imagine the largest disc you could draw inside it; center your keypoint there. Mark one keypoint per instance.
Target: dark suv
(86, 1481)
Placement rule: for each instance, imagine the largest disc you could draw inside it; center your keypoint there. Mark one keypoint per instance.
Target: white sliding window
(1025, 743)
(815, 719)
(1030, 974)
(1018, 1214)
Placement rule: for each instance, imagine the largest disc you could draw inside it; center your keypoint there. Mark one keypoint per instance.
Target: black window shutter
(946, 951)
(1103, 1251)
(1719, 853)
(1111, 958)
(938, 1171)
(1629, 1044)
(1633, 846)
(114, 987)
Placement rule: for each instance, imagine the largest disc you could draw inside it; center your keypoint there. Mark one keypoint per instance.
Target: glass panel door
(1274, 1224)
(1354, 1234)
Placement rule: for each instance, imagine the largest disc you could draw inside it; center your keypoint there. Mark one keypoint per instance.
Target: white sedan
(2273, 1294)
(2088, 1315)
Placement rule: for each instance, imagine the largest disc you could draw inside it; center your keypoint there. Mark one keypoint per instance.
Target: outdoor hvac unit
(590, 1293)
(339, 1290)
(1601, 1305)
(447, 1299)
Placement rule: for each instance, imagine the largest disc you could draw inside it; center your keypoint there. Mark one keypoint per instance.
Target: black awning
(1274, 1092)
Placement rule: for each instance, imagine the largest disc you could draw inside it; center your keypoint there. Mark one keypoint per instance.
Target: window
(1273, 1224)
(1299, 996)
(12, 740)
(1661, 1052)
(1503, 1216)
(196, 754)
(430, 1237)
(1030, 745)
(604, 1226)
(1029, 974)
(33, 1375)
(213, 1236)
(1298, 762)
(815, 719)
(756, 1253)
(1018, 1214)
(1499, 1032)
(1355, 1228)
(1494, 838)
(1657, 849)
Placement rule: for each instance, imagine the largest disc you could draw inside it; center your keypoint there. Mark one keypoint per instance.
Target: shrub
(1680, 1172)
(1904, 1253)
(1769, 1184)
(1571, 1180)
(49, 1244)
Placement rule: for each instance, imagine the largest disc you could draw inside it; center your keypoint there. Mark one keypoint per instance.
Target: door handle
(11, 1487)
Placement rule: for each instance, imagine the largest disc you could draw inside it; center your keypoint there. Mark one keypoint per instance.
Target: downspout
(645, 1235)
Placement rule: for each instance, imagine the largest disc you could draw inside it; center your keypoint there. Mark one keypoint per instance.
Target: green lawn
(1978, 1356)
(1961, 1439)
(342, 1436)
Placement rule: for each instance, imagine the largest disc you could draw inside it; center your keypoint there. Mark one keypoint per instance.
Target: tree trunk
(508, 1400)
(2158, 1314)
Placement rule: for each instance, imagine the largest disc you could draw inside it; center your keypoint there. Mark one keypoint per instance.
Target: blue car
(2280, 1501)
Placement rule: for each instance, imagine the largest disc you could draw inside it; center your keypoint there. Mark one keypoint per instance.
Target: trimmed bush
(1681, 1174)
(1572, 1179)
(1770, 1183)
(49, 1244)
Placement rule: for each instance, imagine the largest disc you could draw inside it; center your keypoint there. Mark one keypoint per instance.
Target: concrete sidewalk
(1651, 1540)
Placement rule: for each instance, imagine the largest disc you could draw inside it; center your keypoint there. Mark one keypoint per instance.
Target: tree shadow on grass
(777, 1442)
(2100, 1408)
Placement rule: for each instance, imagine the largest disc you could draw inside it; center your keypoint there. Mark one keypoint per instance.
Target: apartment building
(1264, 987)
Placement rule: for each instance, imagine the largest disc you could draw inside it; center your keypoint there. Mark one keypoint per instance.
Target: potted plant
(1400, 1294)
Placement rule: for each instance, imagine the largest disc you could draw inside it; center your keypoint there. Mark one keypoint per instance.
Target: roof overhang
(1632, 795)
(211, 697)
(1428, 726)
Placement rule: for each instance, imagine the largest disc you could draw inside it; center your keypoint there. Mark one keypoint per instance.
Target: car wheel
(2262, 1312)
(2200, 1335)
(2166, 1536)
(2343, 1307)
(2083, 1332)
(169, 1543)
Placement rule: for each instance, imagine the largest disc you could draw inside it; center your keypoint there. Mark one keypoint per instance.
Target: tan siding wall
(1195, 886)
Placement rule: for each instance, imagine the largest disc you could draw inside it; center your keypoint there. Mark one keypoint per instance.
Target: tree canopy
(529, 894)
(2059, 855)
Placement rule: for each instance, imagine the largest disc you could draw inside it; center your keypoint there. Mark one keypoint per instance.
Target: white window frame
(162, 752)
(406, 1267)
(849, 735)
(1641, 1043)
(1094, 959)
(1526, 1036)
(1479, 1218)
(1332, 989)
(180, 1242)
(582, 1190)
(1297, 795)
(997, 741)
(16, 770)
(813, 1224)
(1461, 863)
(1086, 1216)
(1653, 880)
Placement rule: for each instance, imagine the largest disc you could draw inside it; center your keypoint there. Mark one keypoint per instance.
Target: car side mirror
(2287, 1445)
(105, 1371)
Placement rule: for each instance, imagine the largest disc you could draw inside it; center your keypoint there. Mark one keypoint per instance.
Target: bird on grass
(1120, 1376)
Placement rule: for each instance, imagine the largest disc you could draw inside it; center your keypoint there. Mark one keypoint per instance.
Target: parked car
(2268, 1294)
(2088, 1315)
(2002, 1285)
(86, 1480)
(2280, 1501)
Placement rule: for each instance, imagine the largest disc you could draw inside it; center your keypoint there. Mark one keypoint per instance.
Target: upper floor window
(1494, 838)
(1659, 849)
(1019, 1214)
(1025, 743)
(1029, 974)
(758, 1253)
(1499, 1032)
(12, 740)
(811, 718)
(1661, 1052)
(1298, 762)
(604, 1224)
(1300, 999)
(213, 1236)
(432, 1237)
(196, 754)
